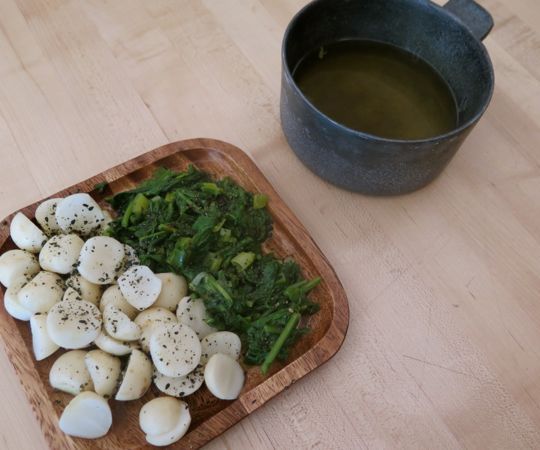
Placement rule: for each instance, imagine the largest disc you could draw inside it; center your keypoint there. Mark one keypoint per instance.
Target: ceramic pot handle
(472, 15)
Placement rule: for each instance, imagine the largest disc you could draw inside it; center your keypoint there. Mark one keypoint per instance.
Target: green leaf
(101, 187)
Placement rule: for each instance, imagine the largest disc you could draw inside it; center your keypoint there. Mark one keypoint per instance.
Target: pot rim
(446, 136)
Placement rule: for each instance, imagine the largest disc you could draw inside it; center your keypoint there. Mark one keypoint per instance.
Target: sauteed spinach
(211, 232)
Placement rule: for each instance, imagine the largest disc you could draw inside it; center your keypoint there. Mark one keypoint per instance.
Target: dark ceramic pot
(448, 38)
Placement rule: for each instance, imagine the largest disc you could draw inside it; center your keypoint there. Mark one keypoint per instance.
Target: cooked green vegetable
(101, 187)
(259, 201)
(212, 233)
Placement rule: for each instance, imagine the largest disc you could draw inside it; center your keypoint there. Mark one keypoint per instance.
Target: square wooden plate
(210, 416)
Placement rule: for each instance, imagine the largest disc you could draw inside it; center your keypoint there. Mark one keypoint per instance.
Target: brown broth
(378, 89)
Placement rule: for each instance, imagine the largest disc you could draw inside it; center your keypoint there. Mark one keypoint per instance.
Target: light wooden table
(443, 349)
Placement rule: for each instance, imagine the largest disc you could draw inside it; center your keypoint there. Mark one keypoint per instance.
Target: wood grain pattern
(210, 416)
(443, 285)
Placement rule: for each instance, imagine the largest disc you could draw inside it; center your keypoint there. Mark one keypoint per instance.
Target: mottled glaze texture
(448, 38)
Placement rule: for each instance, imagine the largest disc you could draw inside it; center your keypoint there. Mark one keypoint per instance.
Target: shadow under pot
(378, 95)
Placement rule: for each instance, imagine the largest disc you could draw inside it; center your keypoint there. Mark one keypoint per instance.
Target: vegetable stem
(214, 283)
(210, 188)
(260, 201)
(243, 260)
(166, 227)
(127, 214)
(274, 351)
(153, 235)
(294, 291)
(137, 206)
(140, 204)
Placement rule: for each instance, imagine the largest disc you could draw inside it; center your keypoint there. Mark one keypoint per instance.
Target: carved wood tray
(210, 416)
